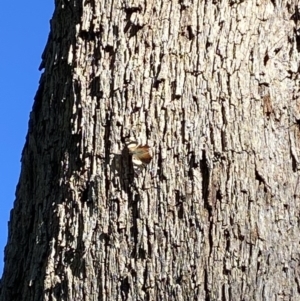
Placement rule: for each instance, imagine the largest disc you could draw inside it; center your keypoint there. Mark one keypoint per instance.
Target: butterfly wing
(140, 153)
(143, 154)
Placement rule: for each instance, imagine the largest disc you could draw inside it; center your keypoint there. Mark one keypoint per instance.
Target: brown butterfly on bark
(141, 154)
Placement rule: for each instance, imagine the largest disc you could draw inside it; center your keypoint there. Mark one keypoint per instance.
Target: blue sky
(24, 27)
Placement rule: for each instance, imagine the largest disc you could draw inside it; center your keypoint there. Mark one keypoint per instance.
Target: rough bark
(213, 87)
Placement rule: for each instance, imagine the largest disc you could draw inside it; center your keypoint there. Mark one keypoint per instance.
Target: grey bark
(213, 88)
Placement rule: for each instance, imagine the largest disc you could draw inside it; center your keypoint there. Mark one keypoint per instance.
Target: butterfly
(141, 154)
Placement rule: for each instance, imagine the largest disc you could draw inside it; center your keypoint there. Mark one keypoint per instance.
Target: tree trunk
(213, 88)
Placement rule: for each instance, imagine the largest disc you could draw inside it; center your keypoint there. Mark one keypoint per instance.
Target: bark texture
(213, 88)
